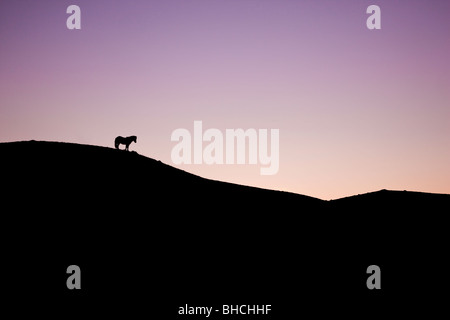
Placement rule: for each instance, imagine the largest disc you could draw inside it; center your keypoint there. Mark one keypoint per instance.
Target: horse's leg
(126, 146)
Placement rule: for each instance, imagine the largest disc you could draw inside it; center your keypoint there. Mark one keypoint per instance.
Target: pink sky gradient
(358, 110)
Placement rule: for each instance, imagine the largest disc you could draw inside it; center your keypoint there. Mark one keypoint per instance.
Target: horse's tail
(116, 143)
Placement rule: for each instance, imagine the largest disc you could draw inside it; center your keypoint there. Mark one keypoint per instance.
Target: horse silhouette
(126, 141)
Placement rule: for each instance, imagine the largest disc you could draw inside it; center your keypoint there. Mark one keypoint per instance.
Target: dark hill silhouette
(144, 231)
(128, 180)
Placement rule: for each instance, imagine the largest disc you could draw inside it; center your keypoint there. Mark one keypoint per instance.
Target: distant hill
(189, 237)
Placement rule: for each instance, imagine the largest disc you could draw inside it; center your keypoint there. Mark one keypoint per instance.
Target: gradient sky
(358, 110)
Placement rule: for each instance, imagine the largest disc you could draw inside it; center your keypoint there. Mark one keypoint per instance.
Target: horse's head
(134, 139)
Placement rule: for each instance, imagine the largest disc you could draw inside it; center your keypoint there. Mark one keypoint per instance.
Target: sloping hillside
(145, 233)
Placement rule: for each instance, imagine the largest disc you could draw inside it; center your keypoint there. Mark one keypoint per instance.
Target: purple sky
(358, 110)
